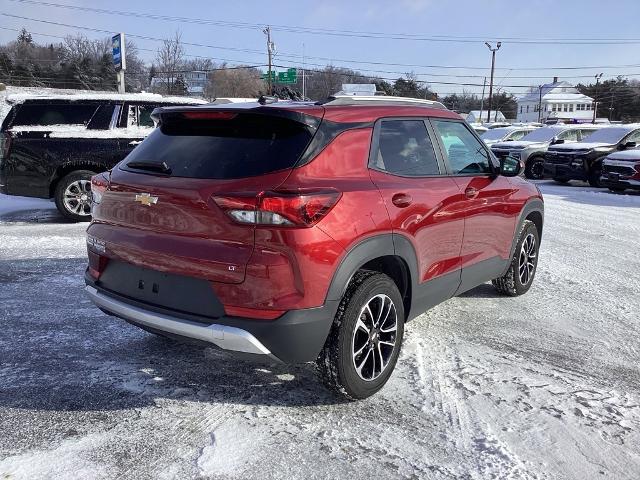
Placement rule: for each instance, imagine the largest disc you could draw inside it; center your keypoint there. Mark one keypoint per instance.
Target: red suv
(308, 232)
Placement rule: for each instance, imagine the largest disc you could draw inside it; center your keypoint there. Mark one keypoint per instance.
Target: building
(557, 101)
(196, 82)
(477, 116)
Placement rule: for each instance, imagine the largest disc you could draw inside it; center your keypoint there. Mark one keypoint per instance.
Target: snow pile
(81, 131)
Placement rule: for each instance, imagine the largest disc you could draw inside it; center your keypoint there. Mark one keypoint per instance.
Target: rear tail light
(99, 184)
(97, 264)
(285, 209)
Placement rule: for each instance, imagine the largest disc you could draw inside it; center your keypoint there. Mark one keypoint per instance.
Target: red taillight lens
(286, 209)
(209, 115)
(97, 264)
(99, 184)
(256, 313)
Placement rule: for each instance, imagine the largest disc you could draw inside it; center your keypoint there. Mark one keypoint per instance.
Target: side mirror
(626, 145)
(509, 140)
(510, 167)
(556, 141)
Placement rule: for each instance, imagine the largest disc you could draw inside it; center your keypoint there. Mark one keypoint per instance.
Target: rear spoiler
(305, 113)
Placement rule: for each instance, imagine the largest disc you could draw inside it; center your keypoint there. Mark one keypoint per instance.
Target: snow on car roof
(138, 97)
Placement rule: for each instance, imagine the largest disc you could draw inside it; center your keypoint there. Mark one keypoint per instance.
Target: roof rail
(381, 100)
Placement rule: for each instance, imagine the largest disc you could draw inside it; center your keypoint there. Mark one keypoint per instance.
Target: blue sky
(488, 19)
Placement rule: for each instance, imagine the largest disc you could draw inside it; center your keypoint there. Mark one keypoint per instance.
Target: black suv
(583, 160)
(51, 146)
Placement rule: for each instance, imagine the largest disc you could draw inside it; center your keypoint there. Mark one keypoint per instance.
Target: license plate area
(193, 296)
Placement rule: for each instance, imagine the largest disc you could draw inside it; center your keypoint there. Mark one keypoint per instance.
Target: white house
(196, 82)
(560, 100)
(477, 116)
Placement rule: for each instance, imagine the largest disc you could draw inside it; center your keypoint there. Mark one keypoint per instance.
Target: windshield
(495, 134)
(607, 135)
(542, 135)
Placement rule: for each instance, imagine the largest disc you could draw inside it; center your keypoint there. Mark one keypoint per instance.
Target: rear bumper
(296, 337)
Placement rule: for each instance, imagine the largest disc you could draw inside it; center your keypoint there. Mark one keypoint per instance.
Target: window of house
(571, 107)
(404, 148)
(467, 155)
(521, 107)
(527, 108)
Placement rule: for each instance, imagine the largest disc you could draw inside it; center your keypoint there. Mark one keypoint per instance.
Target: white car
(505, 134)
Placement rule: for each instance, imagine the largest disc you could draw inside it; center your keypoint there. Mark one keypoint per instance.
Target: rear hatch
(159, 212)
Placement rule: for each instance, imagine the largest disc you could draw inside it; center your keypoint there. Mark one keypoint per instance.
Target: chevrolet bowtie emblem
(146, 199)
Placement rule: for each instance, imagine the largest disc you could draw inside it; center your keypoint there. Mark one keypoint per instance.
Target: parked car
(52, 145)
(306, 232)
(621, 171)
(479, 128)
(531, 148)
(583, 160)
(505, 134)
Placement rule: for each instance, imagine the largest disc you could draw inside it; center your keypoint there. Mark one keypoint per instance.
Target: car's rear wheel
(524, 263)
(73, 195)
(534, 170)
(362, 348)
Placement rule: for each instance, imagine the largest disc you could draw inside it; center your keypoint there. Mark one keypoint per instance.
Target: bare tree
(234, 82)
(169, 62)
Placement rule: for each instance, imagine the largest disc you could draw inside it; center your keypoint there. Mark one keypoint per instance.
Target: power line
(329, 59)
(346, 33)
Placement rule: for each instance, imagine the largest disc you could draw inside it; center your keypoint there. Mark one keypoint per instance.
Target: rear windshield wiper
(152, 166)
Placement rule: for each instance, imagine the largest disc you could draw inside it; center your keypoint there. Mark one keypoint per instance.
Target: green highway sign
(290, 76)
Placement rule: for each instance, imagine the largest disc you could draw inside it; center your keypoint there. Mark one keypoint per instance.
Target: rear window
(72, 114)
(243, 146)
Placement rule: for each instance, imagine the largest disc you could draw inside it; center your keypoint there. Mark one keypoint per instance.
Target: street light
(595, 102)
(493, 64)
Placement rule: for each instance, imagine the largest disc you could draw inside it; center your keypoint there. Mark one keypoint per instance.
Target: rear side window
(466, 154)
(69, 114)
(404, 148)
(245, 145)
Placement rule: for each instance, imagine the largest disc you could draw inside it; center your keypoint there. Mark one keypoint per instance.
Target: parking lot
(542, 386)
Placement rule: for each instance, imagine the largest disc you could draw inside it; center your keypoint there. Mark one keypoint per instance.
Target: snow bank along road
(545, 386)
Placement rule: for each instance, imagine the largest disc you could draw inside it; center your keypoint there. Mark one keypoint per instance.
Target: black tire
(512, 282)
(594, 177)
(534, 169)
(336, 362)
(563, 181)
(81, 212)
(617, 189)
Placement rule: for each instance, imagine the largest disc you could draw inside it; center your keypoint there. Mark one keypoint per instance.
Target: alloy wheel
(77, 197)
(374, 337)
(527, 259)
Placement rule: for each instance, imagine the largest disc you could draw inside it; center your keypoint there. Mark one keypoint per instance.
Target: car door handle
(401, 200)
(471, 192)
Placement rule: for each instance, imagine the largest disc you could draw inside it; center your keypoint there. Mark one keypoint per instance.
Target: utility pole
(595, 100)
(304, 74)
(484, 84)
(267, 32)
(540, 104)
(493, 65)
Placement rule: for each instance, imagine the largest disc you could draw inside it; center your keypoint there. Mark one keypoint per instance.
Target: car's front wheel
(534, 170)
(73, 195)
(362, 348)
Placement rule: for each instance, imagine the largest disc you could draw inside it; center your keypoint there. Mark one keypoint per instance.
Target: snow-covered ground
(544, 386)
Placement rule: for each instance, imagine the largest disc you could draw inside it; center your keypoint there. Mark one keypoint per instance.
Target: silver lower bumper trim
(228, 338)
